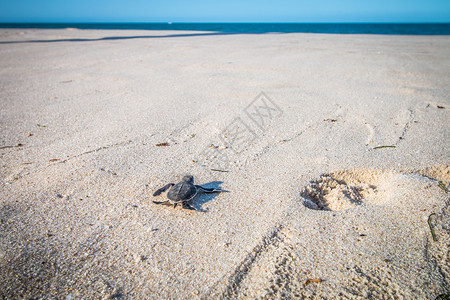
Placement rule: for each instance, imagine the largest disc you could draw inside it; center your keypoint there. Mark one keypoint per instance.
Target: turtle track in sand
(274, 270)
(229, 286)
(252, 278)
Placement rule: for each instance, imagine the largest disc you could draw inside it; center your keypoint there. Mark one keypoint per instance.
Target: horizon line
(221, 22)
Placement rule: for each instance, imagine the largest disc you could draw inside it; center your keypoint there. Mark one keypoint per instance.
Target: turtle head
(188, 179)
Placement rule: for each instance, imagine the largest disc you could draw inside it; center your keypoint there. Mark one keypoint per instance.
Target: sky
(224, 11)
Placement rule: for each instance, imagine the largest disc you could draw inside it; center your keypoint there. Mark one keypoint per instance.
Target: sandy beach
(334, 150)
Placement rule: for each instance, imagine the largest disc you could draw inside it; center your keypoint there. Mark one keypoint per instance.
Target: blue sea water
(341, 28)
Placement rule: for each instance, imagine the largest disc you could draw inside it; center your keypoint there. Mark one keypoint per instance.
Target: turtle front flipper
(163, 189)
(163, 203)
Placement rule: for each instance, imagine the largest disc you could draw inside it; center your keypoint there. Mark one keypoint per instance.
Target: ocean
(341, 28)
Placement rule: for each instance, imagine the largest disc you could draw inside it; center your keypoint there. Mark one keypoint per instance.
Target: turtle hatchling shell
(182, 191)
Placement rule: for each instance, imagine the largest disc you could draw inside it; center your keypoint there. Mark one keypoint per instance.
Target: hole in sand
(342, 190)
(351, 188)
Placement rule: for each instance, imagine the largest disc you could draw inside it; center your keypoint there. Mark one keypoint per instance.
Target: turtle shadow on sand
(203, 198)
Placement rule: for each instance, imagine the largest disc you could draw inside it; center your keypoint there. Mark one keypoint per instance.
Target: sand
(315, 209)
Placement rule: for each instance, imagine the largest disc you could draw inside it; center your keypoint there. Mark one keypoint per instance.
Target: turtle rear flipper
(207, 190)
(188, 206)
(163, 203)
(163, 189)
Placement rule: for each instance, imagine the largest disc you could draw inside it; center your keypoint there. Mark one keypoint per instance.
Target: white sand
(77, 218)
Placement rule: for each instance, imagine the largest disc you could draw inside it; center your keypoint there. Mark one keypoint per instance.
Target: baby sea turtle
(183, 192)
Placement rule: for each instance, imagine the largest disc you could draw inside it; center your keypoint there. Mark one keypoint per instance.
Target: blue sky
(225, 11)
